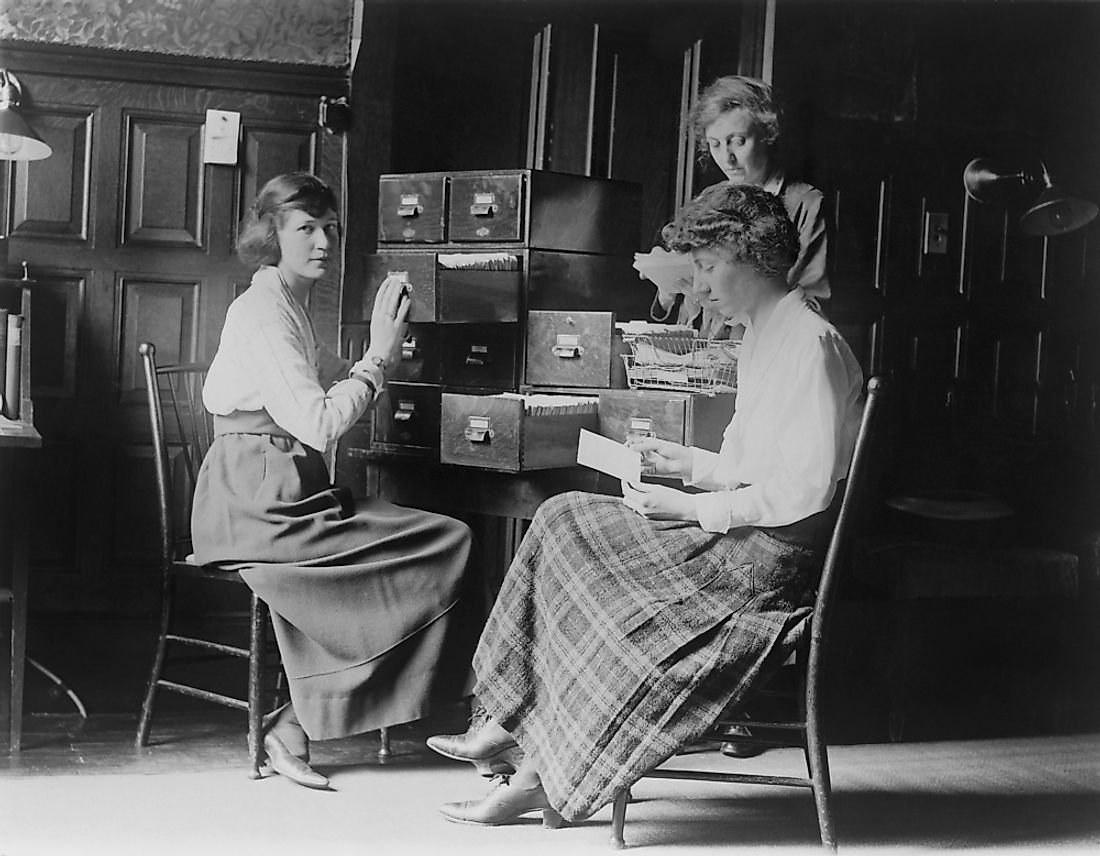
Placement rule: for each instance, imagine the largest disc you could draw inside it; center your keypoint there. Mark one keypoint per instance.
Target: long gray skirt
(365, 598)
(616, 639)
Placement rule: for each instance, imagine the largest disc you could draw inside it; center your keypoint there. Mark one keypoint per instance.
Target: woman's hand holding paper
(659, 502)
(661, 457)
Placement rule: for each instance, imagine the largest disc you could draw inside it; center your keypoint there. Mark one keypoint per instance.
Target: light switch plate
(935, 233)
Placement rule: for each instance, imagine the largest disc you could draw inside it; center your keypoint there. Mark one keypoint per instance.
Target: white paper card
(219, 142)
(664, 268)
(609, 457)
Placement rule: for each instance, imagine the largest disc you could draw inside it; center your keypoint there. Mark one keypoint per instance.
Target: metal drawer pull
(640, 427)
(567, 346)
(405, 411)
(484, 205)
(410, 205)
(478, 356)
(479, 429)
(409, 349)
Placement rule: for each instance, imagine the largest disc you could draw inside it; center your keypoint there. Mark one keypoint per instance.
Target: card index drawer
(412, 208)
(420, 268)
(486, 207)
(499, 432)
(418, 359)
(406, 419)
(692, 419)
(480, 355)
(573, 349)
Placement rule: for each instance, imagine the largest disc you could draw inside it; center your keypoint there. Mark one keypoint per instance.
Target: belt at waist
(248, 422)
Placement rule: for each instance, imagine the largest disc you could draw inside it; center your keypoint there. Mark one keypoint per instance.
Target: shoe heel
(552, 820)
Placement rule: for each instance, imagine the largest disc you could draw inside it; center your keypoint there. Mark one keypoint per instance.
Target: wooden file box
(499, 434)
(689, 418)
(574, 349)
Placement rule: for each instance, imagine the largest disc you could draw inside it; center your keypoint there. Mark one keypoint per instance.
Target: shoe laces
(499, 780)
(478, 717)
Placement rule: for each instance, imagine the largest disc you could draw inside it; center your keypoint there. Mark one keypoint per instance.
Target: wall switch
(219, 141)
(935, 233)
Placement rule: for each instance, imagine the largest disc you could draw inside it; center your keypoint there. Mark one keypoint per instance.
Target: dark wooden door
(129, 237)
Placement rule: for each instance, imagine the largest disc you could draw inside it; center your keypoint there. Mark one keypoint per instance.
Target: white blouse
(269, 358)
(799, 391)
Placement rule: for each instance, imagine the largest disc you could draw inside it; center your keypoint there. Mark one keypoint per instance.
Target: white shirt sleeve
(263, 361)
(796, 442)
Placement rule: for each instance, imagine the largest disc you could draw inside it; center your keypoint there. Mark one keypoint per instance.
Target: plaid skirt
(366, 598)
(616, 639)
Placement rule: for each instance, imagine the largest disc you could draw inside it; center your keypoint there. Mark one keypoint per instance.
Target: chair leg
(257, 648)
(384, 753)
(145, 721)
(618, 819)
(818, 762)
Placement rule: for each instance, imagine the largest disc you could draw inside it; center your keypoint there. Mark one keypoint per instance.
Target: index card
(608, 456)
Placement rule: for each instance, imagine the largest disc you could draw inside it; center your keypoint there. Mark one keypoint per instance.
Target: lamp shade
(18, 140)
(1055, 212)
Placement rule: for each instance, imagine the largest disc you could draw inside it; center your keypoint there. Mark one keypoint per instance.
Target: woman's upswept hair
(748, 222)
(258, 240)
(729, 93)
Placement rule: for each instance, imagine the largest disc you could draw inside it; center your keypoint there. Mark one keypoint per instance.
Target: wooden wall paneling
(50, 198)
(569, 131)
(481, 59)
(56, 344)
(55, 519)
(163, 207)
(646, 101)
(271, 149)
(155, 309)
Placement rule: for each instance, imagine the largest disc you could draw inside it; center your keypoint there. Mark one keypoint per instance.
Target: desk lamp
(1053, 212)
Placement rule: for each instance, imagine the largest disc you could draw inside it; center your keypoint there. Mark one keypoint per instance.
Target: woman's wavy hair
(258, 239)
(729, 93)
(748, 222)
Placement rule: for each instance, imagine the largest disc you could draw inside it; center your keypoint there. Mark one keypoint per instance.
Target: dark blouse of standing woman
(625, 626)
(736, 123)
(365, 597)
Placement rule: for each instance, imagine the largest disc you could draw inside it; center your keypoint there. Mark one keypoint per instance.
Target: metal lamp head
(1054, 212)
(18, 141)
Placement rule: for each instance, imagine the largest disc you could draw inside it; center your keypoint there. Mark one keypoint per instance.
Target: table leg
(19, 572)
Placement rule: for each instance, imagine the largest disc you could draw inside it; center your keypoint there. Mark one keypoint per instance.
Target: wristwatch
(371, 372)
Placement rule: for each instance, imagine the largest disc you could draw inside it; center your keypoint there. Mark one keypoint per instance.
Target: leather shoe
(503, 804)
(476, 749)
(284, 762)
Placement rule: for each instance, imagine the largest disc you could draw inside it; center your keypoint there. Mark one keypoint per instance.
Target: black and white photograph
(549, 426)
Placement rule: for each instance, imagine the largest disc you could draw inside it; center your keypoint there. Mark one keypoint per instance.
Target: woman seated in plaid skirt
(624, 627)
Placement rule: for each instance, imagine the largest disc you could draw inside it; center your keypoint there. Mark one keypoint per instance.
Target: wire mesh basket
(680, 361)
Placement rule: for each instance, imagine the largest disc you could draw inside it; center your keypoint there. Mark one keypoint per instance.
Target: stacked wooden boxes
(500, 263)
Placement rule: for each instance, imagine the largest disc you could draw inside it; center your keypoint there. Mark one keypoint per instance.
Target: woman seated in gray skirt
(365, 597)
(624, 627)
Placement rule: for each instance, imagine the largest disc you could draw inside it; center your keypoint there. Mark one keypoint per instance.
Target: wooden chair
(802, 729)
(181, 388)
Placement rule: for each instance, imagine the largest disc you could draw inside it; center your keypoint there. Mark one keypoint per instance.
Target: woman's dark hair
(258, 241)
(748, 222)
(729, 93)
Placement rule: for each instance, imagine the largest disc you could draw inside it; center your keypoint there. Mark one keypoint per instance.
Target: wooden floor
(83, 787)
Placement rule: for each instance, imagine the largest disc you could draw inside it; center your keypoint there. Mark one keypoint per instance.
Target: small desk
(16, 436)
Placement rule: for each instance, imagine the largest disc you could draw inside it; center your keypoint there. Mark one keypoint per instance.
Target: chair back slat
(180, 387)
